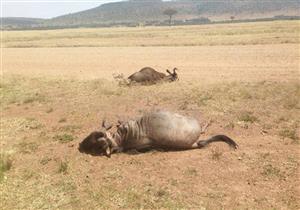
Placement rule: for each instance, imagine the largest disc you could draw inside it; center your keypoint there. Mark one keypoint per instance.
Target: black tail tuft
(218, 138)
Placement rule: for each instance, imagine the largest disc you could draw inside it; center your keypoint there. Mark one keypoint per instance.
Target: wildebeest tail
(218, 138)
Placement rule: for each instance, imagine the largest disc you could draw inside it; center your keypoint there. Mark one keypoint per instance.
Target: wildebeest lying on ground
(155, 130)
(149, 75)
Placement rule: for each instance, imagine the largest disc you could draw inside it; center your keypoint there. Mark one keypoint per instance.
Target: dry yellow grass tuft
(274, 32)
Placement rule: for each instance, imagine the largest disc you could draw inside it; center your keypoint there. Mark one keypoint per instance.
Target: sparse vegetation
(62, 120)
(63, 167)
(5, 164)
(247, 116)
(215, 98)
(223, 34)
(216, 154)
(69, 128)
(289, 133)
(18, 91)
(34, 98)
(63, 138)
(230, 125)
(270, 170)
(292, 103)
(235, 87)
(203, 98)
(45, 160)
(49, 110)
(28, 174)
(27, 147)
(31, 123)
(191, 172)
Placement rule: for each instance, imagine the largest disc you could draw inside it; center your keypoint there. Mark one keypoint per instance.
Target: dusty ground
(207, 64)
(51, 98)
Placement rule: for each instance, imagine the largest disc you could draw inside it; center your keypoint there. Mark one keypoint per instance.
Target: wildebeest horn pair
(174, 71)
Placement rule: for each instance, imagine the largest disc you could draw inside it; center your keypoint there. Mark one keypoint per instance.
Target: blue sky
(46, 8)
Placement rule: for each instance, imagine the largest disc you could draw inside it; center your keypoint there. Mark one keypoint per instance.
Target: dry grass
(290, 133)
(16, 94)
(63, 138)
(63, 167)
(274, 32)
(72, 173)
(248, 92)
(5, 165)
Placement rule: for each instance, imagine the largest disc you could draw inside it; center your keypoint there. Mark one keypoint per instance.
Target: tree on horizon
(170, 12)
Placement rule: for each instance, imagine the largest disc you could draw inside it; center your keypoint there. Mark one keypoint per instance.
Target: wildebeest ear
(168, 71)
(107, 127)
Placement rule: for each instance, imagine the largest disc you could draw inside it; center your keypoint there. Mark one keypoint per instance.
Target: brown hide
(149, 75)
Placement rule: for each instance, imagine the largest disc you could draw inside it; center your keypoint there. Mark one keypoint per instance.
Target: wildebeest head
(98, 142)
(172, 76)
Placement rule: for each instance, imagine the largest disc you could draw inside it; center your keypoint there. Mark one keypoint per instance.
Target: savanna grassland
(57, 86)
(274, 32)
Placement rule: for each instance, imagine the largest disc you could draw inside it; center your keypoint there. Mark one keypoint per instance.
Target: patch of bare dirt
(207, 64)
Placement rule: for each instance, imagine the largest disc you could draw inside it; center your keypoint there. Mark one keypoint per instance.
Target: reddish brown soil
(261, 174)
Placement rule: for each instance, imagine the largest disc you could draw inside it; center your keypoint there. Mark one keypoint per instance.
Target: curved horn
(168, 71)
(174, 70)
(175, 75)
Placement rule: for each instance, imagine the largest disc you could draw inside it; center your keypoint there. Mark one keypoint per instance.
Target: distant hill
(16, 22)
(151, 11)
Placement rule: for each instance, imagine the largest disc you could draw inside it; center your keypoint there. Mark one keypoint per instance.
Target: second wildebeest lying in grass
(157, 130)
(149, 75)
